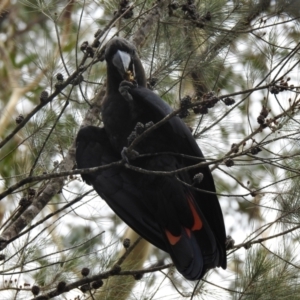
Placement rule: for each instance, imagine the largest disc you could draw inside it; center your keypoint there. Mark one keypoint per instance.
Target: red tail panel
(197, 220)
(172, 238)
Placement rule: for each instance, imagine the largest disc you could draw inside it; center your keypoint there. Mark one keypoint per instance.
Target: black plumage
(187, 224)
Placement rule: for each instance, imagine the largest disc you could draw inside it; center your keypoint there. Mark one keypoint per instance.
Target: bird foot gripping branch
(229, 242)
(125, 87)
(129, 155)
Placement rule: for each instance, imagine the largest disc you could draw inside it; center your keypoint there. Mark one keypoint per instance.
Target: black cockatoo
(186, 223)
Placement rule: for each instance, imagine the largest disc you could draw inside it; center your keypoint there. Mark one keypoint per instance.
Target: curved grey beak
(122, 61)
(124, 64)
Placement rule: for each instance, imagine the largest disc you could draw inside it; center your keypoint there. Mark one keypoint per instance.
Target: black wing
(187, 224)
(179, 136)
(116, 185)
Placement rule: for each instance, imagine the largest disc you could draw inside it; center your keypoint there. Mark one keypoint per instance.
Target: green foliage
(267, 276)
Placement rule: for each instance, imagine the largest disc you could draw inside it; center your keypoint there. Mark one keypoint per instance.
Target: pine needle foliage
(244, 53)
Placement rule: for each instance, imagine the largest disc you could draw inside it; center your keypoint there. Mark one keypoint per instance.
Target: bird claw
(229, 242)
(126, 156)
(124, 88)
